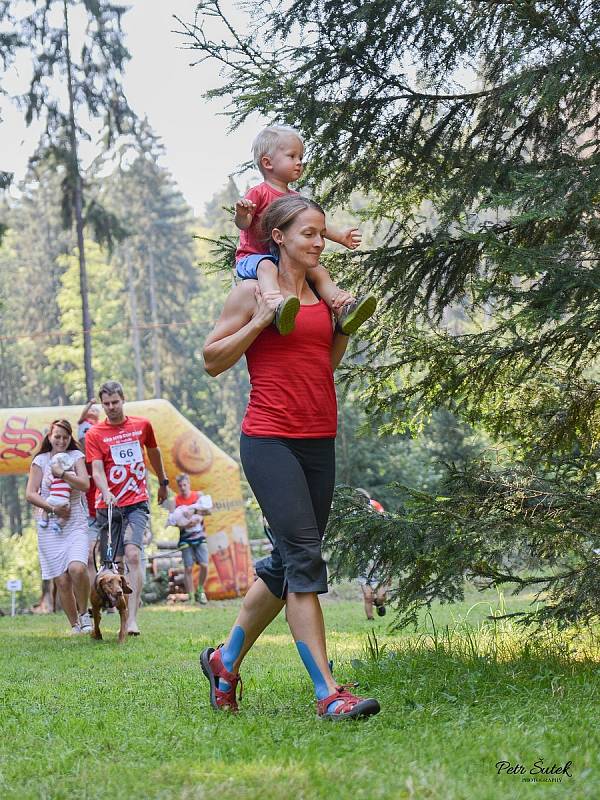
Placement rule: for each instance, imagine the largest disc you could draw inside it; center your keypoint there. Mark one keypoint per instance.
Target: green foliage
(108, 306)
(18, 559)
(473, 130)
(91, 91)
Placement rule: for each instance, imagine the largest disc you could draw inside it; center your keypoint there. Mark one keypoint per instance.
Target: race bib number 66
(126, 453)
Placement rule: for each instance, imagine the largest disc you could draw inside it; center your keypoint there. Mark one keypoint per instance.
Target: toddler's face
(94, 413)
(286, 162)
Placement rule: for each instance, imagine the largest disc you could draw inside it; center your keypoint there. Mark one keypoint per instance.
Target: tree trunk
(154, 317)
(11, 510)
(135, 331)
(78, 205)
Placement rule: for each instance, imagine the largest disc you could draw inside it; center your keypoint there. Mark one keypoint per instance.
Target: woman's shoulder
(41, 460)
(245, 289)
(242, 297)
(75, 455)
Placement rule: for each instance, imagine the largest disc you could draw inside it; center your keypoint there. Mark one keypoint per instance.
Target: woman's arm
(77, 476)
(245, 314)
(155, 459)
(32, 492)
(338, 348)
(99, 476)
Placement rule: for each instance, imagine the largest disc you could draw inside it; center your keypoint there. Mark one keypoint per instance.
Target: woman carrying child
(63, 548)
(287, 449)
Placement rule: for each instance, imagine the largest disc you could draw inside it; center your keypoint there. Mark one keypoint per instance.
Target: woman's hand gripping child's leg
(268, 280)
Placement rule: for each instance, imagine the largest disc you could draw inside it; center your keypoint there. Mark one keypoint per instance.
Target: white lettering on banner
(126, 453)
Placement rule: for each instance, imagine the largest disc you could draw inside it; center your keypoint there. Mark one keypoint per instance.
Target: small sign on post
(14, 585)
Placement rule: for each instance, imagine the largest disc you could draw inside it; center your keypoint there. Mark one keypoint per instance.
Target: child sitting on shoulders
(278, 152)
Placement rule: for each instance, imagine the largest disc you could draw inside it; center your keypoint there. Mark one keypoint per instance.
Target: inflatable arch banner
(184, 449)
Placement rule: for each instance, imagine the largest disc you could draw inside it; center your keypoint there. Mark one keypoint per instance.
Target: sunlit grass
(462, 692)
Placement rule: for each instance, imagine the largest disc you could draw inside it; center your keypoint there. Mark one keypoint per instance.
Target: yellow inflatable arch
(184, 449)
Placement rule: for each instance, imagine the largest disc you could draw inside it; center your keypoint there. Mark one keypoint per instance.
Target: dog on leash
(109, 590)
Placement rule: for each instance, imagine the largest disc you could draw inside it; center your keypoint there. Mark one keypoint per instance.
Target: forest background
(153, 299)
(465, 138)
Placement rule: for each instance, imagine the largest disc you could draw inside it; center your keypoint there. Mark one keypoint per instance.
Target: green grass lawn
(89, 719)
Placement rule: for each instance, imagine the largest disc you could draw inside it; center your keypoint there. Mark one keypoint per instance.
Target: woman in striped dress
(63, 548)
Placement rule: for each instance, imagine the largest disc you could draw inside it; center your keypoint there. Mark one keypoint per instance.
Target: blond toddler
(278, 152)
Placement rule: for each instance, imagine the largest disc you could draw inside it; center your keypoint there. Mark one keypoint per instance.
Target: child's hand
(351, 238)
(244, 210)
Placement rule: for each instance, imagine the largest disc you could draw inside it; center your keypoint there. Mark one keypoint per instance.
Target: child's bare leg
(335, 297)
(268, 276)
(268, 281)
(349, 311)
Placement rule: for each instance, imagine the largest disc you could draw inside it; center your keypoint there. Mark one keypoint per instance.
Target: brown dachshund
(109, 590)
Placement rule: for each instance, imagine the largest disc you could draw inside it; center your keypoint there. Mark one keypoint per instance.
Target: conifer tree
(158, 253)
(473, 128)
(66, 90)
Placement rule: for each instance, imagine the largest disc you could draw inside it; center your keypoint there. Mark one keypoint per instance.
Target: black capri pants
(293, 481)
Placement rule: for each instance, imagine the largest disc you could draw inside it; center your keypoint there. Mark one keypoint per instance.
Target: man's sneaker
(76, 629)
(285, 316)
(202, 599)
(348, 707)
(85, 622)
(213, 668)
(354, 314)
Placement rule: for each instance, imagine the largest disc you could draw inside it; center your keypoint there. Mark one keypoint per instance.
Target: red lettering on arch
(22, 440)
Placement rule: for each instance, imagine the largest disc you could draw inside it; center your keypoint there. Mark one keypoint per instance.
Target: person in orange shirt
(374, 588)
(192, 534)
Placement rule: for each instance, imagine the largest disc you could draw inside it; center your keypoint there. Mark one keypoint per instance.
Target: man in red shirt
(115, 450)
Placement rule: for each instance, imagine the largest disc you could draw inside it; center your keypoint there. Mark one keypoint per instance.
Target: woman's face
(302, 241)
(59, 439)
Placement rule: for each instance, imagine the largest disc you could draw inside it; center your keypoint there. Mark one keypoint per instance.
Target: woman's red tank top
(292, 393)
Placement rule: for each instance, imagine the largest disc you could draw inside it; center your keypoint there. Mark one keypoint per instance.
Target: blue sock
(321, 688)
(229, 653)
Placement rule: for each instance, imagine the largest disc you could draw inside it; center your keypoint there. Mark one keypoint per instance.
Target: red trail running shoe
(349, 707)
(213, 668)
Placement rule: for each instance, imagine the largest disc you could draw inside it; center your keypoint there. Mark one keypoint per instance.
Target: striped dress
(58, 550)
